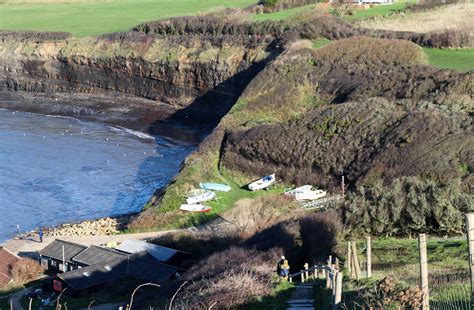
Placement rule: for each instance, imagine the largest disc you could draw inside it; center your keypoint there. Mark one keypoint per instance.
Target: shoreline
(102, 226)
(115, 109)
(120, 111)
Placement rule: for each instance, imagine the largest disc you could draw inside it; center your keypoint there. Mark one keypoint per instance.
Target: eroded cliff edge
(137, 70)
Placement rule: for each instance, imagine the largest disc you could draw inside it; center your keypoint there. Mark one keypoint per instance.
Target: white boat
(310, 195)
(300, 189)
(195, 208)
(264, 182)
(200, 195)
(215, 187)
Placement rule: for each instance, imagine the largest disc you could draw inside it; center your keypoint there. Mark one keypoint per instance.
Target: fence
(330, 272)
(439, 267)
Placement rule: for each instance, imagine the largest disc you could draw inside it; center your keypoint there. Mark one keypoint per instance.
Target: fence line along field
(89, 17)
(447, 271)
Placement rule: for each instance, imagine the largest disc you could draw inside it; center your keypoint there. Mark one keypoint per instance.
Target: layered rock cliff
(175, 70)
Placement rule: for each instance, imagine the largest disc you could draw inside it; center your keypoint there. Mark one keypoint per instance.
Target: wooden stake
(356, 260)
(349, 258)
(470, 242)
(424, 272)
(328, 275)
(343, 187)
(338, 291)
(369, 257)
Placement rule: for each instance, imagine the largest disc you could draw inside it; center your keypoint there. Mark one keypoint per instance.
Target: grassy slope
(277, 301)
(284, 14)
(458, 59)
(89, 18)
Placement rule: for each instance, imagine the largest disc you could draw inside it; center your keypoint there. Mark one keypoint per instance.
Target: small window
(107, 267)
(87, 274)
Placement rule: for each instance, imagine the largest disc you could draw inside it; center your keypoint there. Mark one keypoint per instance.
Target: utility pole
(369, 257)
(64, 261)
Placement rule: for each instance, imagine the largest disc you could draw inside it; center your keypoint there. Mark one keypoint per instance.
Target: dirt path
(25, 246)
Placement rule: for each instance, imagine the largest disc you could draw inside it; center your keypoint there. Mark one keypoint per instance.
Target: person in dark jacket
(283, 268)
(40, 233)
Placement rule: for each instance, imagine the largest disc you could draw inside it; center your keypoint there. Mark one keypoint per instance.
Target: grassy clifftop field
(91, 17)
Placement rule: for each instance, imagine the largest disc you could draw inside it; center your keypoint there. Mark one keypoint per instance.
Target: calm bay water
(55, 170)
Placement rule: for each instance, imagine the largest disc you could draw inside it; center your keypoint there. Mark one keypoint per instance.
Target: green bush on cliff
(407, 205)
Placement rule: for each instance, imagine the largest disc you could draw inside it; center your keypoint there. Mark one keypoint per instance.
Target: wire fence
(447, 263)
(449, 287)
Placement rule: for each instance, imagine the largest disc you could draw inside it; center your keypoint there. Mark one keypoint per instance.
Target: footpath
(29, 245)
(302, 297)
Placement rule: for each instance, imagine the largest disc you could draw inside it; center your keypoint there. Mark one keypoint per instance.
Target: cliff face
(173, 70)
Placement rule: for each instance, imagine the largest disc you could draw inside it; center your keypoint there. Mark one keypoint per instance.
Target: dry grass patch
(250, 216)
(26, 270)
(452, 17)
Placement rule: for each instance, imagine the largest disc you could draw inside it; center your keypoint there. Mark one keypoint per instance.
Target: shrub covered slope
(370, 109)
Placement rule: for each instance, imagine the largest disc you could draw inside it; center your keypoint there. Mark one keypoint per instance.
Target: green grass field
(284, 14)
(458, 59)
(377, 11)
(97, 17)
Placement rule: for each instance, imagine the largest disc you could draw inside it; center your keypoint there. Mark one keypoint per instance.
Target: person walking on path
(40, 233)
(283, 268)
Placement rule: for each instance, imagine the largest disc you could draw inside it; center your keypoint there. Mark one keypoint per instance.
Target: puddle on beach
(55, 170)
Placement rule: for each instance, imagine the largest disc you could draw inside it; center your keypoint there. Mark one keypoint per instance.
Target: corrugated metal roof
(159, 252)
(128, 266)
(95, 255)
(55, 250)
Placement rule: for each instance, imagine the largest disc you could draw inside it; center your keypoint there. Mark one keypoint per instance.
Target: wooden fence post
(355, 260)
(470, 242)
(328, 279)
(424, 272)
(306, 266)
(349, 259)
(302, 276)
(369, 257)
(338, 291)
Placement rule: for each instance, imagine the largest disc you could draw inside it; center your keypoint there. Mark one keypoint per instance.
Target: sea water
(55, 170)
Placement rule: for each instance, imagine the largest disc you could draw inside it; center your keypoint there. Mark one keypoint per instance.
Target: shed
(136, 267)
(160, 253)
(95, 255)
(51, 257)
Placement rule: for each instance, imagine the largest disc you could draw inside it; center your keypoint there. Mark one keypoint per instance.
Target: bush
(407, 205)
(26, 270)
(228, 279)
(319, 234)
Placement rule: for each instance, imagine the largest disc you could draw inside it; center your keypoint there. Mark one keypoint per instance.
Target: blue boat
(215, 187)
